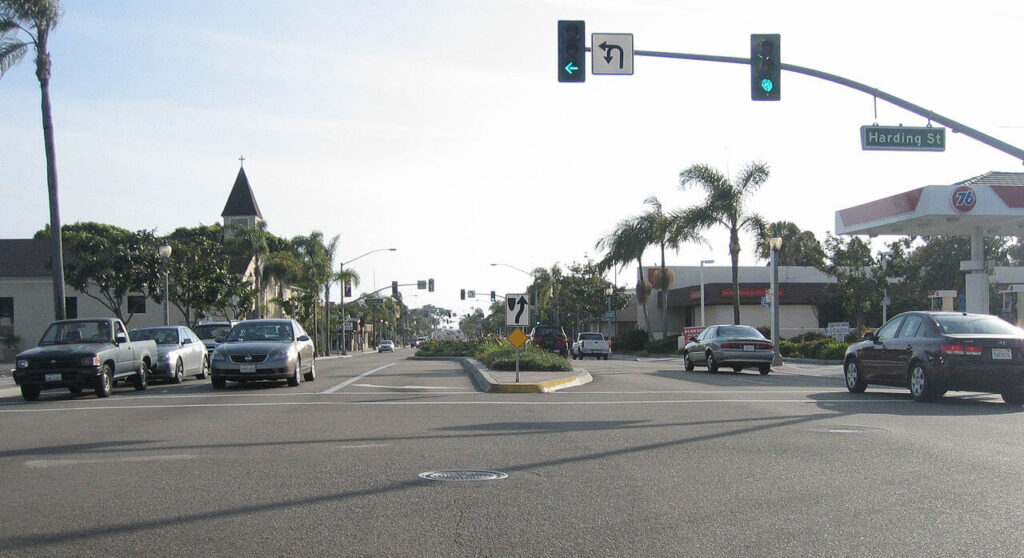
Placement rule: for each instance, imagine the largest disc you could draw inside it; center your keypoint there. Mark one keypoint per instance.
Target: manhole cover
(463, 475)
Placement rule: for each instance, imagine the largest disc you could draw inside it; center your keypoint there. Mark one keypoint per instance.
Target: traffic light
(571, 51)
(394, 289)
(765, 68)
(493, 296)
(430, 285)
(462, 294)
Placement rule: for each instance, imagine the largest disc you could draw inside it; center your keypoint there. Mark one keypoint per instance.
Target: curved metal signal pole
(955, 126)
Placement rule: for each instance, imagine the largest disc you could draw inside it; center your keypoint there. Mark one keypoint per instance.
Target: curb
(485, 382)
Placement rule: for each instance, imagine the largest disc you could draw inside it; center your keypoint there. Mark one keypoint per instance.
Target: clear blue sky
(439, 127)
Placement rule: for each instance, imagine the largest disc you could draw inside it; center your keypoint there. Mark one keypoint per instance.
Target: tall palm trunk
(640, 297)
(734, 255)
(664, 295)
(56, 243)
(327, 319)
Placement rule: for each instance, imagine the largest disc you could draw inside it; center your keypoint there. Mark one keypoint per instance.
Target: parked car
(551, 338)
(386, 345)
(211, 331)
(80, 354)
(591, 344)
(933, 352)
(180, 353)
(737, 346)
(419, 341)
(264, 350)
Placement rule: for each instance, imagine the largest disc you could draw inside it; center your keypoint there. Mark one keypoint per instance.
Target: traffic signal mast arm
(906, 105)
(365, 295)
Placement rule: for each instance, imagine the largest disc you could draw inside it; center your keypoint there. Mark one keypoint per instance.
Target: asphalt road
(646, 460)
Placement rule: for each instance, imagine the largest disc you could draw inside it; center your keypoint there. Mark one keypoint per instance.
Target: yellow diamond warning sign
(517, 337)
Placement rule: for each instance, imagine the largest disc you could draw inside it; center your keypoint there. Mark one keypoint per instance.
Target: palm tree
(798, 247)
(36, 18)
(725, 205)
(545, 289)
(254, 243)
(624, 245)
(654, 227)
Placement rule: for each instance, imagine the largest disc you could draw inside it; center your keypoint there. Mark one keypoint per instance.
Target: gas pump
(1013, 304)
(943, 301)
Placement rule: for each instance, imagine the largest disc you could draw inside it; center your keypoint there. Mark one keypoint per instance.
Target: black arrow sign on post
(607, 48)
(522, 306)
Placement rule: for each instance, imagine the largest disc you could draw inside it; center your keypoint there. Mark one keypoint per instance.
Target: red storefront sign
(749, 292)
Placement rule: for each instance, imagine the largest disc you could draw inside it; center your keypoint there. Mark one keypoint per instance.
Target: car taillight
(959, 349)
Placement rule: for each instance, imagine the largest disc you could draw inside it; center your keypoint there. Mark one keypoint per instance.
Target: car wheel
(30, 393)
(311, 375)
(218, 382)
(920, 381)
(142, 377)
(1015, 398)
(296, 378)
(105, 381)
(687, 363)
(854, 380)
(712, 363)
(764, 369)
(179, 372)
(204, 372)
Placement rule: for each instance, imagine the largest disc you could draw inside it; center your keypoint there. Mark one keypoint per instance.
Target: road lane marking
(365, 446)
(344, 384)
(47, 463)
(404, 387)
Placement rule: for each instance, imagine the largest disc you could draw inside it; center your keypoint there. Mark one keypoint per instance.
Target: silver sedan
(180, 352)
(264, 350)
(737, 346)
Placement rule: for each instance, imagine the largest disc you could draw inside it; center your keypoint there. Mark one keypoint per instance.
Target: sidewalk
(502, 381)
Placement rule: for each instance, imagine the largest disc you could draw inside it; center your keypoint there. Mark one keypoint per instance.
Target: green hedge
(498, 354)
(666, 346)
(819, 349)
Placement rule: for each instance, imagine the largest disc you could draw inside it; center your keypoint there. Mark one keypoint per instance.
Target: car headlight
(90, 361)
(163, 358)
(278, 355)
(22, 364)
(217, 355)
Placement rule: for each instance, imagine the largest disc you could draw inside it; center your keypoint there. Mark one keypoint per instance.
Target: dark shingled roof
(25, 258)
(241, 202)
(995, 178)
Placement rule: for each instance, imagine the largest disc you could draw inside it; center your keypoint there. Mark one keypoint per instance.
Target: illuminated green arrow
(570, 67)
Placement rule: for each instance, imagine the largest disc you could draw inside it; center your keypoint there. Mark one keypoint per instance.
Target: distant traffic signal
(394, 289)
(571, 51)
(493, 296)
(765, 68)
(430, 285)
(462, 294)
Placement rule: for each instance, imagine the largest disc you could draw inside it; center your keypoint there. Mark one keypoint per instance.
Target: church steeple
(241, 207)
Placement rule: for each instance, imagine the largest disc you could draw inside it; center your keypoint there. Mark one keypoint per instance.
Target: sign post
(517, 314)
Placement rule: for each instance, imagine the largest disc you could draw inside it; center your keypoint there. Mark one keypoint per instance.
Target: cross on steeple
(241, 161)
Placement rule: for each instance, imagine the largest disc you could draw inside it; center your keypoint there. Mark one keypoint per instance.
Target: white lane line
(344, 384)
(46, 463)
(402, 387)
(365, 446)
(497, 403)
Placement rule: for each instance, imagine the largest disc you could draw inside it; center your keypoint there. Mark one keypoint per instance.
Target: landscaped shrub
(632, 340)
(498, 354)
(665, 346)
(789, 349)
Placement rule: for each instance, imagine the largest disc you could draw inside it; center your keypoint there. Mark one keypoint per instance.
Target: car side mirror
(692, 340)
(120, 338)
(303, 338)
(870, 336)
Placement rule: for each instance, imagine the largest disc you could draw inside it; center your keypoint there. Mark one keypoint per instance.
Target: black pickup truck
(79, 354)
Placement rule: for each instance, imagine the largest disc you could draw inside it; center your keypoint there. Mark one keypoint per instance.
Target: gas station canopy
(993, 202)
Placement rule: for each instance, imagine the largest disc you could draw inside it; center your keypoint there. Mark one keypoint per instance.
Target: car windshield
(162, 336)
(739, 331)
(97, 331)
(260, 332)
(976, 324)
(212, 331)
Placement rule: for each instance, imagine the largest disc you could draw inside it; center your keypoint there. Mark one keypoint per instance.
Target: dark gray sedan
(181, 353)
(264, 350)
(736, 346)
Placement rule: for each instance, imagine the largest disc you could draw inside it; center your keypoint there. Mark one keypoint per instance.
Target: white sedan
(386, 345)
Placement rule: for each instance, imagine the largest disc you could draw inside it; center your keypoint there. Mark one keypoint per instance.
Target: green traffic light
(767, 85)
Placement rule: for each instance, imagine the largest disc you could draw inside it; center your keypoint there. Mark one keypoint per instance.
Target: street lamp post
(165, 255)
(341, 270)
(702, 262)
(775, 243)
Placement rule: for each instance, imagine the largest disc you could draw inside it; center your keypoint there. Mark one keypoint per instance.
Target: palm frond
(704, 176)
(11, 53)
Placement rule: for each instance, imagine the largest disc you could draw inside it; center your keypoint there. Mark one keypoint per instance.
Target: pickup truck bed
(591, 344)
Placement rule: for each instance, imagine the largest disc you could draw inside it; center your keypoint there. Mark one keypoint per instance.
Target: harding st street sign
(902, 138)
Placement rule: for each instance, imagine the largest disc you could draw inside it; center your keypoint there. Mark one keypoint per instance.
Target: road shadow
(898, 402)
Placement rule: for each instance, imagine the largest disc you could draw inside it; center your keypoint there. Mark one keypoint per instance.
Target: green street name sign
(902, 138)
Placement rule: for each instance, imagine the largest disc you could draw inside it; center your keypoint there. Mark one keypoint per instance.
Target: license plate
(247, 368)
(53, 378)
(1002, 354)
(748, 347)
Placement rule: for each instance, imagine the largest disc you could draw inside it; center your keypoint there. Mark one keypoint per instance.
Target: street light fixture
(165, 255)
(775, 243)
(702, 262)
(341, 269)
